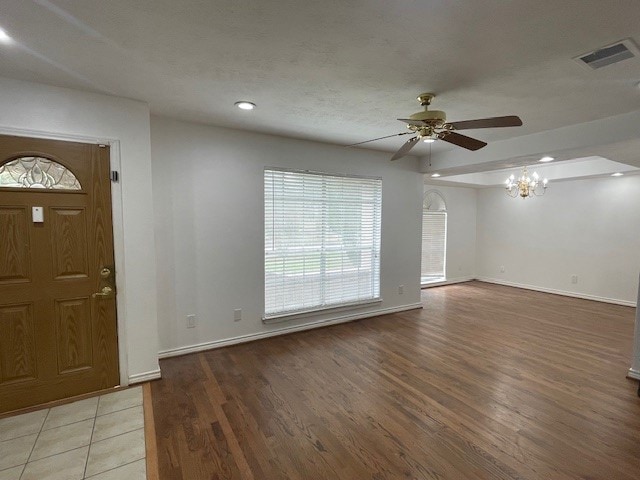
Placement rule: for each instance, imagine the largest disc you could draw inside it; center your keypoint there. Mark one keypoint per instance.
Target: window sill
(432, 281)
(284, 317)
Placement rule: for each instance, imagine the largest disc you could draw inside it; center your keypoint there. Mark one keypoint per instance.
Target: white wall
(461, 231)
(634, 371)
(590, 228)
(28, 108)
(208, 191)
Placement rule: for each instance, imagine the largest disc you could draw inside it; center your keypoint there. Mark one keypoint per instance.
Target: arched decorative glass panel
(434, 202)
(37, 172)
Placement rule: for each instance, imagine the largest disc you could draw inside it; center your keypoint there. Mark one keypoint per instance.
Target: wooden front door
(58, 335)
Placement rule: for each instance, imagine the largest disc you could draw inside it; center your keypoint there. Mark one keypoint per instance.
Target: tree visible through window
(434, 238)
(322, 241)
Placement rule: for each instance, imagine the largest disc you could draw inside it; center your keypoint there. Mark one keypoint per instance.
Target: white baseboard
(632, 373)
(448, 281)
(585, 296)
(144, 377)
(174, 352)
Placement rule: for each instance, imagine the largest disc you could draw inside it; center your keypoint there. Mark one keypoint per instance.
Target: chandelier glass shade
(526, 186)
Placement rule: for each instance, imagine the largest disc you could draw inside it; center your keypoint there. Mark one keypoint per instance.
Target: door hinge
(115, 176)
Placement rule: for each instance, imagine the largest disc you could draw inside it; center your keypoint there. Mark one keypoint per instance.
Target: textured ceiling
(335, 71)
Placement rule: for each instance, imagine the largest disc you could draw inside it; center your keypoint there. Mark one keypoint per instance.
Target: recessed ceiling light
(4, 37)
(547, 159)
(244, 105)
(435, 175)
(428, 140)
(617, 174)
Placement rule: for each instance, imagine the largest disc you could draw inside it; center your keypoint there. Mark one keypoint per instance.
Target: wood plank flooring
(486, 382)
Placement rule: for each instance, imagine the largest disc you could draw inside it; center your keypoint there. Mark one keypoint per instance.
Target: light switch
(37, 214)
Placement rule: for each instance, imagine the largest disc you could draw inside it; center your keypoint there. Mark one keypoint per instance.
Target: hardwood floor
(487, 382)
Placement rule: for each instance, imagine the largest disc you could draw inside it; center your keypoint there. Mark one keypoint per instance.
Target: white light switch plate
(37, 214)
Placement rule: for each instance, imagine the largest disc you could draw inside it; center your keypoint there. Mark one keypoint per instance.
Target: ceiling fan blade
(404, 149)
(379, 138)
(493, 122)
(417, 123)
(462, 140)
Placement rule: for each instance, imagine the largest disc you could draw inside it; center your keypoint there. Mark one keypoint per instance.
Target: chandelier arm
(540, 189)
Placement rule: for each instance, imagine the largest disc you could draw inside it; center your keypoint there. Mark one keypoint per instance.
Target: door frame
(118, 229)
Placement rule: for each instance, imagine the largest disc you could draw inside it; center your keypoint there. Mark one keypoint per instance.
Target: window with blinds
(434, 244)
(322, 241)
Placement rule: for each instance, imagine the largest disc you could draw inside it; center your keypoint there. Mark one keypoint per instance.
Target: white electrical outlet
(501, 268)
(574, 279)
(237, 315)
(400, 289)
(191, 321)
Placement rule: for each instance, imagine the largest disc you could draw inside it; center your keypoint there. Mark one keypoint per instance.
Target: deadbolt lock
(105, 272)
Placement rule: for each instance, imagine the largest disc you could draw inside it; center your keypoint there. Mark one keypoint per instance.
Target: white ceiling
(334, 71)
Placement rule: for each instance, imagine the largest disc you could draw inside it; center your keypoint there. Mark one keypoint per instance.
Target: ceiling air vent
(608, 55)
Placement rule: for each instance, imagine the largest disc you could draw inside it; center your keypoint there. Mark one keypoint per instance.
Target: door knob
(105, 292)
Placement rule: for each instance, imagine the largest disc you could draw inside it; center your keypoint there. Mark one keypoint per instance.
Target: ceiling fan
(432, 125)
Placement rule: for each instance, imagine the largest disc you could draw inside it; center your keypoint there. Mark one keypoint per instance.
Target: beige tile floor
(100, 438)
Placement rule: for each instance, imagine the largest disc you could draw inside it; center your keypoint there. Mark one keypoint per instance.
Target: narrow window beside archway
(37, 172)
(434, 239)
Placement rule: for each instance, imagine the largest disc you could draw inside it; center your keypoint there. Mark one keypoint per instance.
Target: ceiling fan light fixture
(432, 125)
(547, 159)
(244, 105)
(5, 38)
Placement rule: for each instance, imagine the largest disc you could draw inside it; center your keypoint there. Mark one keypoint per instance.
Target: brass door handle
(105, 292)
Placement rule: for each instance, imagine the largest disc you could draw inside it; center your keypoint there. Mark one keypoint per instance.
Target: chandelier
(526, 186)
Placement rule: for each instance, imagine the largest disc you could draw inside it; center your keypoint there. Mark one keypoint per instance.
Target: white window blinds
(434, 241)
(322, 241)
